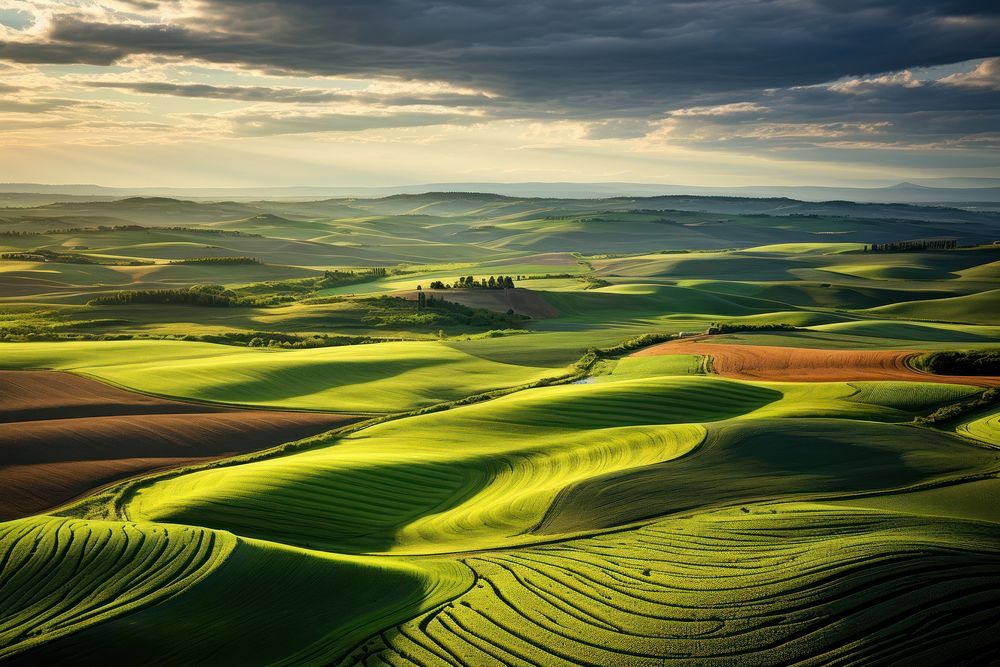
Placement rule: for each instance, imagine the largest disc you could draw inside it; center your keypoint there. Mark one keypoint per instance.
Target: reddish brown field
(521, 301)
(794, 364)
(63, 436)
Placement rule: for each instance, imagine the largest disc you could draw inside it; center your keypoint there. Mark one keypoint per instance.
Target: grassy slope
(772, 584)
(981, 308)
(915, 331)
(807, 248)
(759, 459)
(643, 367)
(484, 475)
(384, 377)
(874, 401)
(264, 604)
(977, 500)
(478, 475)
(876, 578)
(982, 427)
(60, 576)
(863, 338)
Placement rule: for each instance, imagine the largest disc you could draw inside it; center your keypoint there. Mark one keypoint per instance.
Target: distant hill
(927, 191)
(481, 205)
(437, 226)
(459, 203)
(899, 193)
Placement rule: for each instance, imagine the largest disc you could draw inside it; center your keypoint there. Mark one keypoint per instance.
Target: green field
(521, 489)
(387, 377)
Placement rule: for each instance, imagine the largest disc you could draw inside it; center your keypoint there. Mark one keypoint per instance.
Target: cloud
(874, 84)
(240, 93)
(617, 129)
(767, 77)
(814, 122)
(730, 109)
(292, 95)
(55, 53)
(261, 123)
(985, 75)
(581, 56)
(35, 106)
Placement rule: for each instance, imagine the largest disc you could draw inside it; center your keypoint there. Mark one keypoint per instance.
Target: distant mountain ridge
(929, 191)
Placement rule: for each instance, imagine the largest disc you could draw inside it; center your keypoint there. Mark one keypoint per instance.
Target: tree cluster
(217, 260)
(338, 277)
(735, 327)
(919, 244)
(470, 282)
(948, 413)
(436, 312)
(43, 255)
(196, 295)
(967, 362)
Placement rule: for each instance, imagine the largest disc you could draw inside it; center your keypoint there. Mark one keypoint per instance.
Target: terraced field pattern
(298, 433)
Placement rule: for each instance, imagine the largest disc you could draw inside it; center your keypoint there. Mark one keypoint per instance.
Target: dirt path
(794, 364)
(62, 436)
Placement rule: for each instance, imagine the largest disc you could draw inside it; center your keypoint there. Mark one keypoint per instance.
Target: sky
(243, 93)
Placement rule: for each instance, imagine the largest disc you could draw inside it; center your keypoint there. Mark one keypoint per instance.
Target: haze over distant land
(252, 93)
(952, 191)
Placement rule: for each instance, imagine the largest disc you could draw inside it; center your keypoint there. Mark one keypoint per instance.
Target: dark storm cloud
(736, 74)
(59, 53)
(240, 93)
(890, 123)
(929, 110)
(584, 55)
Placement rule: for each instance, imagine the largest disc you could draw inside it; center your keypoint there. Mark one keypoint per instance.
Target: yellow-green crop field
(511, 483)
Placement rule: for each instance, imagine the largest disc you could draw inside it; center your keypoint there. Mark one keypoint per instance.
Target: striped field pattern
(766, 585)
(62, 575)
(467, 476)
(639, 518)
(985, 428)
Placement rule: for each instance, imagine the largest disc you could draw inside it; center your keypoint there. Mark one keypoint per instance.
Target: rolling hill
(692, 433)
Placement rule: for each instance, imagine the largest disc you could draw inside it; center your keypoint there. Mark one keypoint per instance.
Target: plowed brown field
(62, 436)
(795, 364)
(521, 301)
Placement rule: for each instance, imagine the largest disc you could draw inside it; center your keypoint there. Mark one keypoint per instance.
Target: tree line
(217, 260)
(470, 282)
(128, 228)
(964, 362)
(348, 275)
(434, 311)
(736, 327)
(197, 295)
(919, 244)
(44, 255)
(948, 413)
